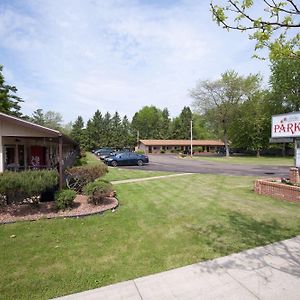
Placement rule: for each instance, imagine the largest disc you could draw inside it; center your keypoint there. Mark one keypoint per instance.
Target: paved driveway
(172, 163)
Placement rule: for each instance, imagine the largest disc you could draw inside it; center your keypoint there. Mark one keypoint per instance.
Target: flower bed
(275, 188)
(47, 210)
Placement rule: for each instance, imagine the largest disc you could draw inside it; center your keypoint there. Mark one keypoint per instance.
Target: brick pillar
(294, 175)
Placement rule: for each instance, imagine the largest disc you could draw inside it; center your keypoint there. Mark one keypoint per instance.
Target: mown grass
(248, 160)
(121, 174)
(159, 225)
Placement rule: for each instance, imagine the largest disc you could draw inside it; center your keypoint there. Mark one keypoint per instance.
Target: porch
(25, 145)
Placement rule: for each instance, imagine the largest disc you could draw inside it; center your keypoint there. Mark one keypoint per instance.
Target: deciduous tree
(219, 99)
(273, 24)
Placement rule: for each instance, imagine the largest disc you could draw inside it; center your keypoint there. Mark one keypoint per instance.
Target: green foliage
(277, 29)
(87, 173)
(9, 101)
(17, 186)
(148, 122)
(285, 82)
(140, 151)
(50, 119)
(219, 100)
(181, 126)
(98, 191)
(250, 128)
(77, 131)
(64, 199)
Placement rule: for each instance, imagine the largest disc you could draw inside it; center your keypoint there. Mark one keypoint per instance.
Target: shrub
(162, 151)
(140, 151)
(17, 186)
(87, 173)
(64, 199)
(97, 191)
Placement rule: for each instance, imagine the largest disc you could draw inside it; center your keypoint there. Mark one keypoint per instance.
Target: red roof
(182, 142)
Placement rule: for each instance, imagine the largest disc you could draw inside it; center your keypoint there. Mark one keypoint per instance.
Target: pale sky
(77, 56)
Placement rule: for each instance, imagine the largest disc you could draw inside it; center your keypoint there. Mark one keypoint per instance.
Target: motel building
(25, 145)
(173, 146)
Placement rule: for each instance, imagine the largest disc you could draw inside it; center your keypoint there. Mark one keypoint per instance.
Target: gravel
(47, 210)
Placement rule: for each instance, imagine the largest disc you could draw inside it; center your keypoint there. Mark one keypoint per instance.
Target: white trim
(28, 123)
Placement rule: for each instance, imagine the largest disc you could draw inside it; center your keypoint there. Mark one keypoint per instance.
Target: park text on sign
(287, 125)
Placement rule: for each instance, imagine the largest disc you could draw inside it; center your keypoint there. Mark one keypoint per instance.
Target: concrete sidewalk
(270, 272)
(150, 178)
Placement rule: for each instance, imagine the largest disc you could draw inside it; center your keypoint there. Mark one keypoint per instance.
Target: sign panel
(287, 125)
(280, 140)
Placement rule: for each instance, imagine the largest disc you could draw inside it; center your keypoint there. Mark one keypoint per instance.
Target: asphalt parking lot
(172, 163)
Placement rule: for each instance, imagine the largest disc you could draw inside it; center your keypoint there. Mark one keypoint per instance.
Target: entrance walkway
(270, 272)
(149, 178)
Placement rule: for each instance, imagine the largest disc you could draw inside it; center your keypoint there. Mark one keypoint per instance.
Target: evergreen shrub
(64, 199)
(18, 186)
(97, 191)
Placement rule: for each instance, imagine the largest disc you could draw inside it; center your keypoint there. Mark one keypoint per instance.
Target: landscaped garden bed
(47, 210)
(277, 189)
(280, 188)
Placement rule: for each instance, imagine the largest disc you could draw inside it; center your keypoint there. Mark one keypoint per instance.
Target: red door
(38, 156)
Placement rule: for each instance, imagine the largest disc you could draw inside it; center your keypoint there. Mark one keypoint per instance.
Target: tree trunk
(257, 153)
(226, 143)
(283, 150)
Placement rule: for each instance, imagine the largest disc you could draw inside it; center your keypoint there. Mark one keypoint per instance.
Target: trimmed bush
(64, 199)
(86, 174)
(18, 186)
(162, 151)
(97, 191)
(140, 151)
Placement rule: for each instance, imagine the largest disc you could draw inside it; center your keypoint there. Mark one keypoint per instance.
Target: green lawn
(249, 160)
(121, 174)
(159, 225)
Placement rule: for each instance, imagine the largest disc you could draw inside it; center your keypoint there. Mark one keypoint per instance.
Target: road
(172, 163)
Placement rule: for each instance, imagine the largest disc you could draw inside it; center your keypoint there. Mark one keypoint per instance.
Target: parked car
(103, 152)
(126, 159)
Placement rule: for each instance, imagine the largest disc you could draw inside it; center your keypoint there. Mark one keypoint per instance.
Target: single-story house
(25, 145)
(158, 146)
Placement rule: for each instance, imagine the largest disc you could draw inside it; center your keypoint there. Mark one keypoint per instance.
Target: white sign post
(287, 126)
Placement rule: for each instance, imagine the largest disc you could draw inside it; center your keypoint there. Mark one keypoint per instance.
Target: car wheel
(114, 163)
(140, 162)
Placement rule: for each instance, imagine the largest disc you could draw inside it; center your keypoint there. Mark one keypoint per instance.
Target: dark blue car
(126, 159)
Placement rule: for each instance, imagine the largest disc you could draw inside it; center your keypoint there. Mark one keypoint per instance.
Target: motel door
(38, 156)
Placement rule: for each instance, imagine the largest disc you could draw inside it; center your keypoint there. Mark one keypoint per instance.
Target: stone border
(278, 190)
(87, 210)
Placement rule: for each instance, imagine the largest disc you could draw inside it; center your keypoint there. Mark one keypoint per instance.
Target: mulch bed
(47, 210)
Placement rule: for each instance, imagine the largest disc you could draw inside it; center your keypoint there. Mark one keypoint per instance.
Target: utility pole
(191, 138)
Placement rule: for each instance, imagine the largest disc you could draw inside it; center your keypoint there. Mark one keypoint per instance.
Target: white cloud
(78, 56)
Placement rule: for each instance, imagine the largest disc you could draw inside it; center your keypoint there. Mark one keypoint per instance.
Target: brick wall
(277, 190)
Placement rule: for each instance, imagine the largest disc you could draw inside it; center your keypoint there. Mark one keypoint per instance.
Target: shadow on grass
(233, 232)
(236, 232)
